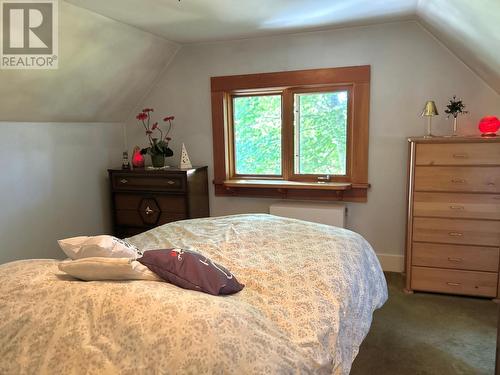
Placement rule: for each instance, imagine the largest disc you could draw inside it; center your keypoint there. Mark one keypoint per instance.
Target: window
(301, 134)
(257, 135)
(320, 132)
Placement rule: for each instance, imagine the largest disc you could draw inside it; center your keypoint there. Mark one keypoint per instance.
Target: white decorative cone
(185, 162)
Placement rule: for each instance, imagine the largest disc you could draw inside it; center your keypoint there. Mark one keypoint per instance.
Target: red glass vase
(137, 158)
(488, 126)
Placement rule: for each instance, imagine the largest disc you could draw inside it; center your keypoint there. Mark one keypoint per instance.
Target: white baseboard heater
(318, 212)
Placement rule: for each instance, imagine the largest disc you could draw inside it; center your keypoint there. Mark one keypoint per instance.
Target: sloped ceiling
(105, 68)
(469, 28)
(112, 51)
(193, 21)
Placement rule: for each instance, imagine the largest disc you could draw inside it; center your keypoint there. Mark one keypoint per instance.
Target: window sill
(289, 184)
(337, 191)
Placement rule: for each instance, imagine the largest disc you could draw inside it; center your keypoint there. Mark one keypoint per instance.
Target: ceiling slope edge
(469, 30)
(132, 113)
(105, 68)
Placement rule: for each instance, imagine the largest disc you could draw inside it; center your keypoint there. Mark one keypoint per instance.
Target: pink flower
(146, 110)
(141, 116)
(169, 118)
(155, 126)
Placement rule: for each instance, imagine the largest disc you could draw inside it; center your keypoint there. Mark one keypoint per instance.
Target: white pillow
(98, 246)
(98, 268)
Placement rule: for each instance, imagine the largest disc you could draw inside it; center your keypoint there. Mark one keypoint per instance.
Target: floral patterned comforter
(310, 293)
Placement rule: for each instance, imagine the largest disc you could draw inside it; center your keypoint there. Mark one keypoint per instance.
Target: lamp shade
(489, 125)
(430, 109)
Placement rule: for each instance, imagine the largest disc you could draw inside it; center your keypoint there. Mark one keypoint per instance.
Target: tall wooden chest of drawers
(143, 199)
(453, 231)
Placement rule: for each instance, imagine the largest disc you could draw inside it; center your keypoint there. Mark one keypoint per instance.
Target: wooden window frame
(350, 187)
(292, 174)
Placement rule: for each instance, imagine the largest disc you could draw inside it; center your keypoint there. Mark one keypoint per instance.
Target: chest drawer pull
(460, 156)
(457, 207)
(458, 180)
(455, 260)
(491, 184)
(123, 180)
(453, 284)
(170, 182)
(455, 234)
(149, 211)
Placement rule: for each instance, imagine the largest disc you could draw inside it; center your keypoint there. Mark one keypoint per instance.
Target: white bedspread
(310, 293)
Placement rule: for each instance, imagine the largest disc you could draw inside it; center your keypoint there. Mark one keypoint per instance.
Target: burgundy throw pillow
(191, 270)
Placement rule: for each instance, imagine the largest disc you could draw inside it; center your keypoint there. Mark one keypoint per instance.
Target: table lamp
(429, 111)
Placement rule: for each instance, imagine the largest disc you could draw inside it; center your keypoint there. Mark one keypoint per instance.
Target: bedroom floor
(425, 333)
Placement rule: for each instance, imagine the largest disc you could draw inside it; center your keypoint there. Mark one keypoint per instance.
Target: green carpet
(426, 333)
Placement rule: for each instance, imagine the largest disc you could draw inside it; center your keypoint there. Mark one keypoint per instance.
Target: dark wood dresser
(143, 199)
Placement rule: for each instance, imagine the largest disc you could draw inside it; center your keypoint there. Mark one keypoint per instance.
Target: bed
(310, 292)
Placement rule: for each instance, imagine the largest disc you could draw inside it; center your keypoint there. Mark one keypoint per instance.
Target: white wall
(408, 67)
(53, 184)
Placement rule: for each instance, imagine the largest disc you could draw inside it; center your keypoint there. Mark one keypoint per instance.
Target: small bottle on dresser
(125, 162)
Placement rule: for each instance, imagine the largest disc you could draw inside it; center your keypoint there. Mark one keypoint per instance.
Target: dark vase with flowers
(158, 152)
(158, 161)
(158, 148)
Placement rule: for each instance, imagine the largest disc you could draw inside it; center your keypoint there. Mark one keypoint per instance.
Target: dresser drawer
(457, 205)
(458, 154)
(135, 219)
(457, 231)
(149, 182)
(458, 179)
(453, 281)
(473, 258)
(166, 203)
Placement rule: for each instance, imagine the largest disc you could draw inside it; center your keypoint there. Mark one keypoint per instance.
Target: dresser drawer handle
(170, 182)
(149, 211)
(453, 284)
(455, 234)
(457, 208)
(491, 184)
(458, 180)
(460, 156)
(123, 180)
(455, 260)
